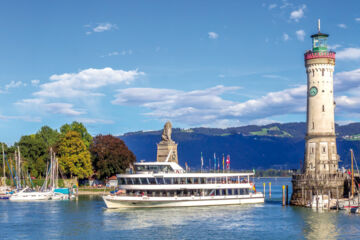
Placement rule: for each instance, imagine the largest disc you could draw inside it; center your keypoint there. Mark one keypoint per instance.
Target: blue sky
(120, 66)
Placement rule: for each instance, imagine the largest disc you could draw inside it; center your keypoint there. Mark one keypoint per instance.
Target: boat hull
(159, 202)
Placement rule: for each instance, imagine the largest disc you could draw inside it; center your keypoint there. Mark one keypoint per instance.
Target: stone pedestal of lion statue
(167, 148)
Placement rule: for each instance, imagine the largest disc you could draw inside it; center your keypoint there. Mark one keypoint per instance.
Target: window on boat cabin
(168, 180)
(236, 191)
(191, 180)
(144, 181)
(196, 180)
(136, 181)
(202, 180)
(183, 181)
(141, 168)
(176, 180)
(153, 168)
(152, 180)
(122, 181)
(129, 181)
(218, 192)
(159, 180)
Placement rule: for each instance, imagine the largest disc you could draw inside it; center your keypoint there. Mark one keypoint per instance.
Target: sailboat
(26, 194)
(5, 191)
(57, 193)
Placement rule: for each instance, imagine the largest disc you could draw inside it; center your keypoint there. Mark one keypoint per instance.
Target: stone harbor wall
(305, 186)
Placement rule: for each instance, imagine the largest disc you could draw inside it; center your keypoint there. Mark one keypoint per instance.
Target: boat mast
(352, 172)
(3, 154)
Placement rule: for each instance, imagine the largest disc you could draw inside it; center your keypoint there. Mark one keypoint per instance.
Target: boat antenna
(319, 25)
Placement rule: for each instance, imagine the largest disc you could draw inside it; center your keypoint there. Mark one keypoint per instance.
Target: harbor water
(87, 218)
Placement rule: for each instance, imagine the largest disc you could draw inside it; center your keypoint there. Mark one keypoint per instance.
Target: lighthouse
(319, 174)
(320, 148)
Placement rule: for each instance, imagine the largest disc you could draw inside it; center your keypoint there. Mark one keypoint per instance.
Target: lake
(87, 218)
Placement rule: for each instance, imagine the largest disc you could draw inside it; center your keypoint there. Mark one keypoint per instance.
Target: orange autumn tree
(74, 158)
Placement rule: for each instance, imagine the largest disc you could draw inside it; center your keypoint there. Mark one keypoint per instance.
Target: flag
(228, 161)
(186, 166)
(218, 164)
(223, 162)
(214, 161)
(202, 161)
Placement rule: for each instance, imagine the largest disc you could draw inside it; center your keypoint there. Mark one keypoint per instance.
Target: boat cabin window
(144, 181)
(152, 181)
(129, 181)
(136, 181)
(153, 168)
(122, 181)
(160, 180)
(168, 180)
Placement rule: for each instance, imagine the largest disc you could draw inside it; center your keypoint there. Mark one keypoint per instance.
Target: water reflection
(320, 224)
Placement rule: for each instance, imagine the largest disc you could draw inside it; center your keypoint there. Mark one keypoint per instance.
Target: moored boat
(166, 184)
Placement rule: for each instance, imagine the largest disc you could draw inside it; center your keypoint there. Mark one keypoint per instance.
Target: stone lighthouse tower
(319, 174)
(320, 149)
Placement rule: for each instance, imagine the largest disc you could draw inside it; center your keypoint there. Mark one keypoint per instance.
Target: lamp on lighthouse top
(319, 41)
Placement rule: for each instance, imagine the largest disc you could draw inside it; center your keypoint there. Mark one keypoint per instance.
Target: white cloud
(14, 84)
(208, 107)
(94, 121)
(213, 35)
(300, 34)
(35, 82)
(357, 19)
(83, 83)
(272, 6)
(116, 53)
(344, 81)
(342, 25)
(286, 37)
(41, 105)
(348, 54)
(298, 14)
(333, 47)
(23, 118)
(100, 27)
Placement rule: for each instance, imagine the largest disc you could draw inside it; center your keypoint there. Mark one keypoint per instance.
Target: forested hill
(279, 146)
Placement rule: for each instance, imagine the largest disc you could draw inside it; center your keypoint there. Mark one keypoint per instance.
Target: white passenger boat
(28, 194)
(166, 184)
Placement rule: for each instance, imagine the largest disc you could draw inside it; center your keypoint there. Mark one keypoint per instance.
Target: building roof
(113, 177)
(319, 35)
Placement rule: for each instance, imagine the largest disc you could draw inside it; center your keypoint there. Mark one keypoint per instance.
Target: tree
(110, 155)
(48, 135)
(33, 155)
(74, 156)
(80, 128)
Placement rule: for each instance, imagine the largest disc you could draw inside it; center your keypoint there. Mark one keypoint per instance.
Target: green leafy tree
(48, 135)
(33, 155)
(110, 155)
(74, 156)
(80, 128)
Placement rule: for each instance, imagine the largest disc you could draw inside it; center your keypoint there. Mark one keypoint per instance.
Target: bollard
(283, 195)
(287, 195)
(264, 184)
(269, 189)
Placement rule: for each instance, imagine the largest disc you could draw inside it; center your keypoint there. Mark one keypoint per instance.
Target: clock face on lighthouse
(313, 91)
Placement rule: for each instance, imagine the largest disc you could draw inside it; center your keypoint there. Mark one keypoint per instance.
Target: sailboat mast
(352, 172)
(19, 165)
(3, 154)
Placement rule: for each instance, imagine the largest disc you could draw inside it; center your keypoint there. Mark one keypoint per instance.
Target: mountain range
(276, 146)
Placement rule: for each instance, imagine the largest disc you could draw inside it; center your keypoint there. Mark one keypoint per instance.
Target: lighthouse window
(323, 70)
(323, 108)
(313, 125)
(324, 149)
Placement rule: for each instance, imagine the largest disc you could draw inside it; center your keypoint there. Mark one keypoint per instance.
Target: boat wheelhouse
(166, 184)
